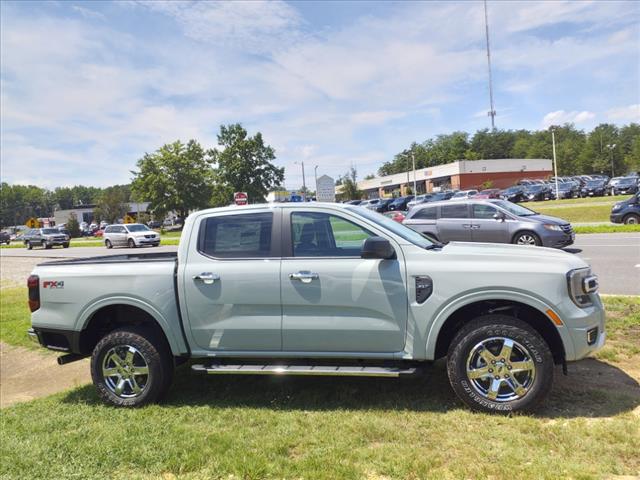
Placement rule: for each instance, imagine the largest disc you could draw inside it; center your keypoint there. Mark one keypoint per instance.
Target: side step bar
(345, 371)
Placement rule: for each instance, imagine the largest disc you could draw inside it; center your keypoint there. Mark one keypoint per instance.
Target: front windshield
(137, 228)
(50, 231)
(627, 181)
(535, 188)
(395, 227)
(514, 208)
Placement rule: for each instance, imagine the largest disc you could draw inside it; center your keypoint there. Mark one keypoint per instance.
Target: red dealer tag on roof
(241, 198)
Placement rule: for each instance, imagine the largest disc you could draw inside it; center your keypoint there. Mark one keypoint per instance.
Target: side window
(455, 210)
(425, 213)
(236, 236)
(121, 230)
(315, 234)
(483, 211)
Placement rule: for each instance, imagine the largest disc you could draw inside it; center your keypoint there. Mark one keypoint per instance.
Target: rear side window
(456, 210)
(426, 213)
(237, 236)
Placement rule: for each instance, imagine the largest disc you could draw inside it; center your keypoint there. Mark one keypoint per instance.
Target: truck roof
(276, 205)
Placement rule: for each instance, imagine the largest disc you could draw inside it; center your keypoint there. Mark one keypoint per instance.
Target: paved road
(615, 258)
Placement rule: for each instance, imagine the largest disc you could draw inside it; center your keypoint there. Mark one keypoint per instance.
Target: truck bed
(123, 258)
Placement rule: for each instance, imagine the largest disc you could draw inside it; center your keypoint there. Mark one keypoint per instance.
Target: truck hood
(505, 253)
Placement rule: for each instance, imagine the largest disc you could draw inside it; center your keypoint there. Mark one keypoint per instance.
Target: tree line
(578, 152)
(178, 177)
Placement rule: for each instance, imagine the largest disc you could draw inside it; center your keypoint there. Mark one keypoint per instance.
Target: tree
(243, 165)
(111, 205)
(175, 178)
(73, 226)
(349, 182)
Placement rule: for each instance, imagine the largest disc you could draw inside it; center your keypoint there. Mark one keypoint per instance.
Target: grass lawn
(606, 229)
(332, 428)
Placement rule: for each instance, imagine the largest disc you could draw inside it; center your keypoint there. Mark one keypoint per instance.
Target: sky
(87, 88)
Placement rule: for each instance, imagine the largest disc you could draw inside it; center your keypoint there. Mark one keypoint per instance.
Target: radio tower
(492, 111)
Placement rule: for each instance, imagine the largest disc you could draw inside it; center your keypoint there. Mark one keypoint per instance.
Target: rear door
(333, 300)
(485, 228)
(454, 224)
(231, 281)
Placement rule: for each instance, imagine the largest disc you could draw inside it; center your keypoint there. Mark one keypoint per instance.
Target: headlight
(616, 207)
(582, 283)
(555, 228)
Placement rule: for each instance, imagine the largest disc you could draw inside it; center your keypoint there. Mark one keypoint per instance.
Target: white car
(130, 235)
(464, 194)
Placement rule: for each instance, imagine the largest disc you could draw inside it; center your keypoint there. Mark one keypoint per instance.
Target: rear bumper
(56, 339)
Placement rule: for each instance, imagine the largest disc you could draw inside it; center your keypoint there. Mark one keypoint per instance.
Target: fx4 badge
(53, 284)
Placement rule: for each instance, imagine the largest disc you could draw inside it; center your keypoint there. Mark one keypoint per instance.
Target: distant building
(460, 175)
(85, 213)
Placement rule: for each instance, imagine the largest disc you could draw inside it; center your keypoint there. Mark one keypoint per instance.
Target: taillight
(33, 284)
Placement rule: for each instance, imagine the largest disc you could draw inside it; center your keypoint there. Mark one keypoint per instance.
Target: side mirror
(499, 216)
(377, 247)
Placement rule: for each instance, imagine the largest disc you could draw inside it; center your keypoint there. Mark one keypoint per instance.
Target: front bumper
(555, 239)
(616, 217)
(584, 328)
(147, 241)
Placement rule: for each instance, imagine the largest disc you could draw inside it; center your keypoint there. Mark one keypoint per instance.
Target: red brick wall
(470, 181)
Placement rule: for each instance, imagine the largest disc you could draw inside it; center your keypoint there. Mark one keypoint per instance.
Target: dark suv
(5, 238)
(45, 237)
(626, 186)
(400, 203)
(627, 212)
(594, 188)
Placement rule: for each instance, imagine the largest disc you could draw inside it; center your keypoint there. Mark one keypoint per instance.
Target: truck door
(231, 281)
(333, 300)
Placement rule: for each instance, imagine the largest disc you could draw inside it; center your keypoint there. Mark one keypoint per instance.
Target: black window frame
(276, 244)
(453, 204)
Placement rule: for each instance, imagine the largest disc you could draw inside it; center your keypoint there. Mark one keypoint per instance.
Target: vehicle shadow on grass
(592, 389)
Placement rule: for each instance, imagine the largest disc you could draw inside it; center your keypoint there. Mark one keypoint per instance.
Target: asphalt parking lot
(614, 257)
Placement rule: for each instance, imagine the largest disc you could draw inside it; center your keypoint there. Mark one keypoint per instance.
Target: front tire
(631, 219)
(65, 245)
(131, 367)
(131, 243)
(527, 238)
(29, 246)
(107, 243)
(498, 363)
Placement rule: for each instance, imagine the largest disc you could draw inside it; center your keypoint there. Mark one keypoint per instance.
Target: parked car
(130, 235)
(45, 237)
(489, 193)
(566, 190)
(496, 221)
(462, 194)
(626, 186)
(350, 202)
(513, 194)
(400, 203)
(627, 212)
(440, 196)
(383, 205)
(418, 199)
(536, 193)
(321, 289)
(5, 238)
(594, 188)
(155, 224)
(396, 215)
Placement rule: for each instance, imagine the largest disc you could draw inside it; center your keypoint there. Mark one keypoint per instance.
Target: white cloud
(560, 117)
(630, 113)
(88, 13)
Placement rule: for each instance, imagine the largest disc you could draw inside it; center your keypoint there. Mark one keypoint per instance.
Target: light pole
(555, 162)
(611, 146)
(315, 175)
(413, 159)
(304, 184)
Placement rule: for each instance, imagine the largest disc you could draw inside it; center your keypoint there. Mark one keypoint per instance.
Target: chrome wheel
(125, 371)
(526, 239)
(500, 369)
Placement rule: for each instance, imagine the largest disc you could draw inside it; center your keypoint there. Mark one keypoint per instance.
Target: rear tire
(131, 243)
(65, 245)
(131, 367)
(28, 245)
(527, 238)
(631, 219)
(498, 363)
(108, 244)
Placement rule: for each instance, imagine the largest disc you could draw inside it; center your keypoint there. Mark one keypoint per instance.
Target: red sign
(241, 198)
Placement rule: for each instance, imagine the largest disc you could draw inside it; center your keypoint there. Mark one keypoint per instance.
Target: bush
(73, 226)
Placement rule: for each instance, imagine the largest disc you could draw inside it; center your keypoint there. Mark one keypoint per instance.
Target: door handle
(207, 277)
(304, 276)
(475, 227)
(466, 225)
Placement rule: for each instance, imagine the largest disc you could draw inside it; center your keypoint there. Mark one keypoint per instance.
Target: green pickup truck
(321, 289)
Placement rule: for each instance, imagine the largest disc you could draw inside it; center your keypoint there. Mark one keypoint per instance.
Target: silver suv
(130, 235)
(493, 221)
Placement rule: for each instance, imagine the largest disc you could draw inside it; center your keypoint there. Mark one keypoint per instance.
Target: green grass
(334, 428)
(578, 201)
(14, 316)
(582, 229)
(165, 239)
(576, 213)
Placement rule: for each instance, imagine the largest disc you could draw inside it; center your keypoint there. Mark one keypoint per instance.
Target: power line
(492, 111)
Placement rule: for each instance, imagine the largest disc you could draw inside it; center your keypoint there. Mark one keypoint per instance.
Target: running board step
(345, 371)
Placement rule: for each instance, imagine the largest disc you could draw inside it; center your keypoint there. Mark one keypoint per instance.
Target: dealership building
(459, 175)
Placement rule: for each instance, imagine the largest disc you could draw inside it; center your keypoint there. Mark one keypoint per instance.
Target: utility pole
(492, 111)
(407, 157)
(413, 159)
(304, 184)
(611, 146)
(315, 174)
(555, 163)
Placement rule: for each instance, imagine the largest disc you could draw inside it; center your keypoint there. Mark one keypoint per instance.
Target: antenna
(492, 111)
